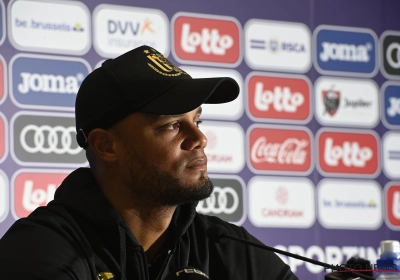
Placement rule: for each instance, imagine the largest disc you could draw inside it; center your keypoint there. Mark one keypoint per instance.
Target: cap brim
(189, 94)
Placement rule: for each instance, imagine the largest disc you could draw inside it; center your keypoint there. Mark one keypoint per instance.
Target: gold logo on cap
(105, 276)
(162, 65)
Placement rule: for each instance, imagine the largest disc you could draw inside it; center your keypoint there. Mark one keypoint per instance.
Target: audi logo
(52, 140)
(389, 51)
(217, 203)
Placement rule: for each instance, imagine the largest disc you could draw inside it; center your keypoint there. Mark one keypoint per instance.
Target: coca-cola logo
(279, 98)
(275, 149)
(32, 188)
(201, 38)
(346, 152)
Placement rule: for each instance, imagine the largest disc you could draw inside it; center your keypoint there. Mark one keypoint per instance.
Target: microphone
(219, 234)
(187, 273)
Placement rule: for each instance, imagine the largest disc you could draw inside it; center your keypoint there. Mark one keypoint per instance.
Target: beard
(150, 183)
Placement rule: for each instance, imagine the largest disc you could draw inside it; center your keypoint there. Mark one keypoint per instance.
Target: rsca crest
(341, 50)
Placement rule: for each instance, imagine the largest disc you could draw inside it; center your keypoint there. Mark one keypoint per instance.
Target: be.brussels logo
(281, 202)
(339, 50)
(33, 188)
(391, 154)
(348, 153)
(346, 102)
(227, 200)
(119, 29)
(2, 22)
(227, 111)
(3, 137)
(206, 39)
(390, 44)
(46, 82)
(391, 105)
(52, 27)
(45, 140)
(225, 146)
(273, 149)
(278, 46)
(3, 80)
(349, 204)
(392, 205)
(278, 98)
(4, 196)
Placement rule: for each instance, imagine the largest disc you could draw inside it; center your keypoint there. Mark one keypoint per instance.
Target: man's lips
(200, 163)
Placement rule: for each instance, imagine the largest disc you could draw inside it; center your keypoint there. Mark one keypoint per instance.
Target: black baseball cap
(143, 80)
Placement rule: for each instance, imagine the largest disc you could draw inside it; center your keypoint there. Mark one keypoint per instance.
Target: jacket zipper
(169, 256)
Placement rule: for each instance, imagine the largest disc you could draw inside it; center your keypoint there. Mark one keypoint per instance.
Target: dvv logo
(227, 201)
(276, 98)
(45, 140)
(46, 82)
(345, 50)
(118, 29)
(390, 42)
(348, 153)
(206, 39)
(34, 188)
(391, 104)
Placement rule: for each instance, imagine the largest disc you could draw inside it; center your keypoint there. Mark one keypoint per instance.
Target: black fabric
(79, 235)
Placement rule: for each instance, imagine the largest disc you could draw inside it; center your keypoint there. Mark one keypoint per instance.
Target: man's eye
(198, 123)
(172, 126)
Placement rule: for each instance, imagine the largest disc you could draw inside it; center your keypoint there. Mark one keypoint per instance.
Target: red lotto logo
(348, 153)
(34, 189)
(206, 39)
(273, 149)
(278, 98)
(393, 205)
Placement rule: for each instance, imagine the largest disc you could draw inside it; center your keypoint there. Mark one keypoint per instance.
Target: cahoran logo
(4, 196)
(119, 29)
(340, 50)
(346, 102)
(390, 44)
(280, 202)
(46, 82)
(349, 204)
(56, 26)
(206, 39)
(273, 149)
(348, 153)
(391, 105)
(391, 154)
(3, 137)
(34, 188)
(3, 80)
(278, 98)
(392, 205)
(277, 46)
(45, 140)
(228, 200)
(225, 146)
(227, 111)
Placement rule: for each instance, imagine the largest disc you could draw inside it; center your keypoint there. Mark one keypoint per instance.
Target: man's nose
(195, 139)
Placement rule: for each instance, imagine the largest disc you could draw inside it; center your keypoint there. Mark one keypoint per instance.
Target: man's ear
(102, 142)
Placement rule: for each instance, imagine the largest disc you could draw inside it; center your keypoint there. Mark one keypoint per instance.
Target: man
(132, 214)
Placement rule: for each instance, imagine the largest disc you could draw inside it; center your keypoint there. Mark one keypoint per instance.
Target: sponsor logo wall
(310, 149)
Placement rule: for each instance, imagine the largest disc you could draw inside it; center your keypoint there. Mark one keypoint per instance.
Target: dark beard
(159, 188)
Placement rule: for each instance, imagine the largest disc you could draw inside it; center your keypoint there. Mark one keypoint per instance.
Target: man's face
(162, 157)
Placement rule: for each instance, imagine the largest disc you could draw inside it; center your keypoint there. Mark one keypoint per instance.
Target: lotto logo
(204, 39)
(342, 49)
(392, 203)
(273, 150)
(32, 188)
(348, 153)
(275, 98)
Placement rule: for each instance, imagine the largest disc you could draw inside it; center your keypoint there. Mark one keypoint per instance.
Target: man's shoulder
(205, 221)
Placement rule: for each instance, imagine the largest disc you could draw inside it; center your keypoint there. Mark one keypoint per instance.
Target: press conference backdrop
(307, 158)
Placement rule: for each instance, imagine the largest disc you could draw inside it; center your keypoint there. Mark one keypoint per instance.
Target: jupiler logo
(345, 52)
(331, 101)
(217, 203)
(291, 151)
(209, 40)
(49, 83)
(350, 153)
(281, 98)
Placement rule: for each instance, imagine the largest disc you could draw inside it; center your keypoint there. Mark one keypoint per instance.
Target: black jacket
(79, 235)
